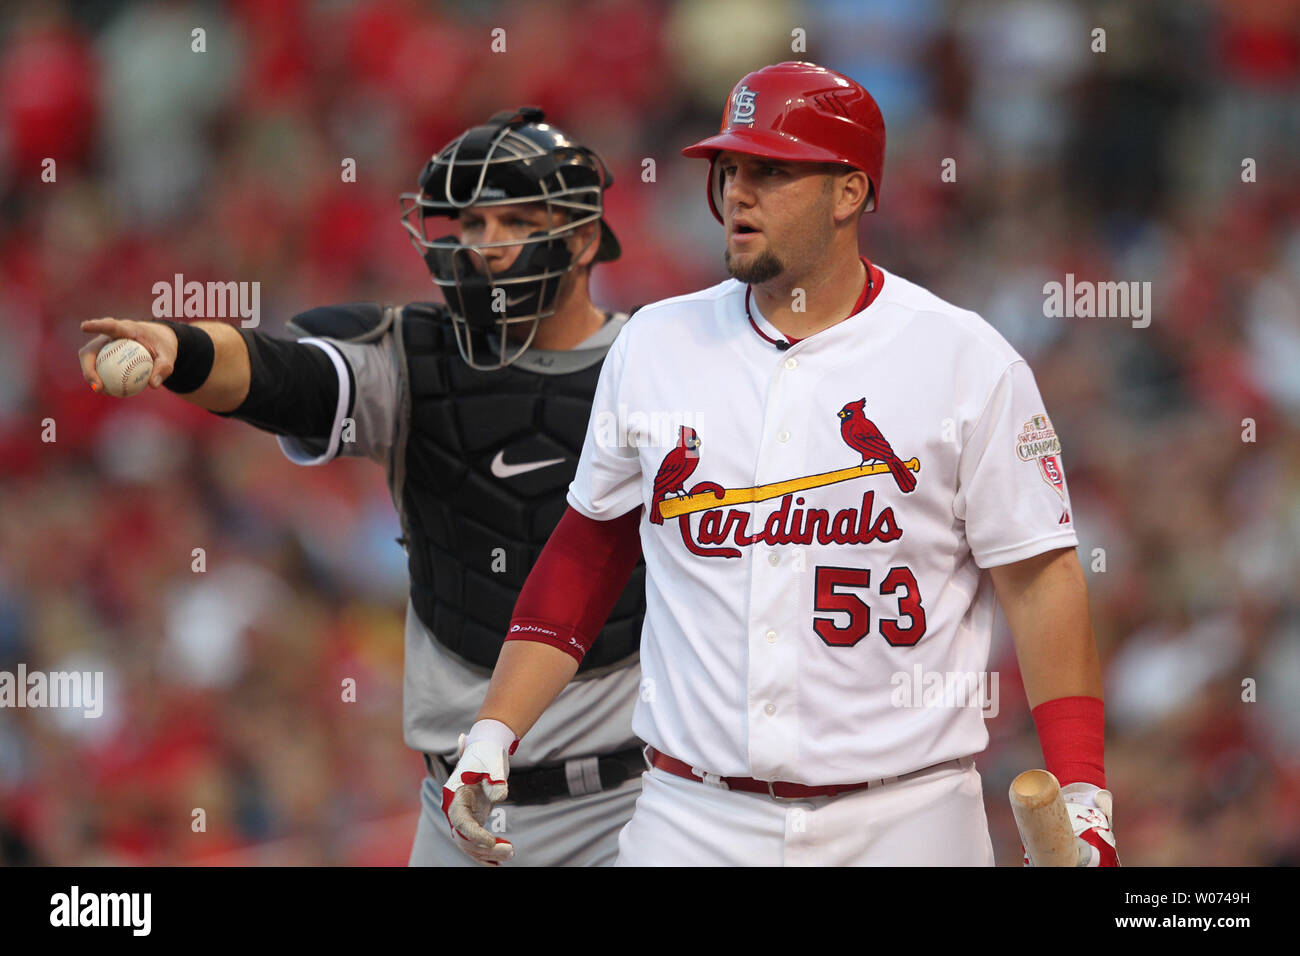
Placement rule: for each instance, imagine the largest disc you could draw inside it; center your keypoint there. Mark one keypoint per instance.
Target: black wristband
(194, 356)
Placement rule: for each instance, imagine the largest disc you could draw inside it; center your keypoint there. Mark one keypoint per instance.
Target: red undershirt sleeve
(577, 580)
(1072, 733)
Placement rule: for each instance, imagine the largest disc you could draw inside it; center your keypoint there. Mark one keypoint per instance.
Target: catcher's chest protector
(488, 457)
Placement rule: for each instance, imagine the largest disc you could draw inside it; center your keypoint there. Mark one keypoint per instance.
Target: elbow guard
(293, 388)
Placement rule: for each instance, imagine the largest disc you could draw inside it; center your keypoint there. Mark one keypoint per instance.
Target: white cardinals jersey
(818, 521)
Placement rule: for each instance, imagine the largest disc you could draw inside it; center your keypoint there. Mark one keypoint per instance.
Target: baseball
(124, 365)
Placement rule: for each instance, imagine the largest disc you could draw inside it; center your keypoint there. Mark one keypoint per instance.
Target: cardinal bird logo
(677, 466)
(861, 434)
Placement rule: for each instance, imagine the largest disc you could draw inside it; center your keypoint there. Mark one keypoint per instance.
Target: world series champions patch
(1037, 441)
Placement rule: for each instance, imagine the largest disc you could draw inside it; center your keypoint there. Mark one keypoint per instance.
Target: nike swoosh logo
(502, 470)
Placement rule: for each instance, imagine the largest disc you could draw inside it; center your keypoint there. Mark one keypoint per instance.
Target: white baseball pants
(936, 819)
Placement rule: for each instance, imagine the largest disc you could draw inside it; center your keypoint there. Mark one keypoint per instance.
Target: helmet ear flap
(715, 188)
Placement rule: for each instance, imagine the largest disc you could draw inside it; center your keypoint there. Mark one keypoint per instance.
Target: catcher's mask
(513, 158)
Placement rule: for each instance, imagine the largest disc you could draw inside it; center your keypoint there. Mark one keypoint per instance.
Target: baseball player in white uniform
(477, 412)
(859, 471)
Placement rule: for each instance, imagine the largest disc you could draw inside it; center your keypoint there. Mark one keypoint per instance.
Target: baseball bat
(1044, 827)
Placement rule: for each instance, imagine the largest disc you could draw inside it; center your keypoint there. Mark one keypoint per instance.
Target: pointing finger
(104, 326)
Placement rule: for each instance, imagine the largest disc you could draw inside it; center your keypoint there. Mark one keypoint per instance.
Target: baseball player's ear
(587, 239)
(851, 194)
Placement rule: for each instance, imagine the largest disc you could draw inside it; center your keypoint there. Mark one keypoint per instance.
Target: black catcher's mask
(515, 157)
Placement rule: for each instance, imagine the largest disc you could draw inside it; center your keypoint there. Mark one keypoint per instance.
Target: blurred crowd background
(224, 687)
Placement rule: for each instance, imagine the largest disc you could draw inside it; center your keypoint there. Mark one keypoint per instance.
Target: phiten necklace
(783, 344)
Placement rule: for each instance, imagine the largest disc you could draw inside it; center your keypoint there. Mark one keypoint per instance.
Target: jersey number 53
(834, 591)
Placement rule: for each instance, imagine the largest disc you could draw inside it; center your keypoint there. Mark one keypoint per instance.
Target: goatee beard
(765, 266)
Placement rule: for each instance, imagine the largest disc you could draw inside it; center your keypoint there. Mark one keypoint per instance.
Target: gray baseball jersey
(441, 691)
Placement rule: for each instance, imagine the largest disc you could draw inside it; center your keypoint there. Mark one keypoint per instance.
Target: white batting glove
(476, 784)
(1090, 810)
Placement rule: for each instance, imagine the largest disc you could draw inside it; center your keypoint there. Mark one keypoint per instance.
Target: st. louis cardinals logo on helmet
(798, 112)
(743, 106)
(513, 158)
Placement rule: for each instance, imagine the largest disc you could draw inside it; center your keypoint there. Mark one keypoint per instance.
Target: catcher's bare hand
(154, 336)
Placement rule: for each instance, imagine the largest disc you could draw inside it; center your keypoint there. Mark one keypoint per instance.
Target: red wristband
(1072, 733)
(567, 639)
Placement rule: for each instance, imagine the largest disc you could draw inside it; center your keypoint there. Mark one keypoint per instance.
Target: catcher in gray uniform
(477, 410)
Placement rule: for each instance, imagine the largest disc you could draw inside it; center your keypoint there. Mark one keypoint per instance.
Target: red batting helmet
(800, 112)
